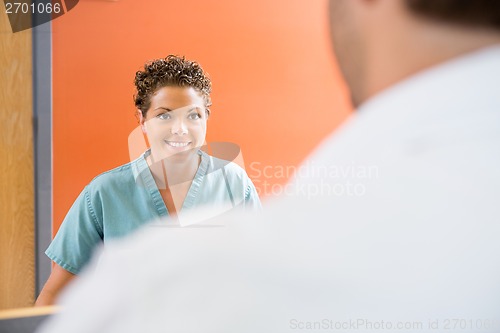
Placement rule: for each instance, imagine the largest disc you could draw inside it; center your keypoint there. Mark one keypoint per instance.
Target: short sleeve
(78, 236)
(252, 201)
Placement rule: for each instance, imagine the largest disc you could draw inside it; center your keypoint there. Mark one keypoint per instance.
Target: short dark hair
(479, 13)
(170, 71)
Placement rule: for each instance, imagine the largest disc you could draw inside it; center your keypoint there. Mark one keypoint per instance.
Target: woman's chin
(176, 154)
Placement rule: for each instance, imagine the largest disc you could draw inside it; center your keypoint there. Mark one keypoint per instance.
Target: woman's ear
(141, 121)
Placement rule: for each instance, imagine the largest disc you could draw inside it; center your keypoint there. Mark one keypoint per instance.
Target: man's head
(472, 13)
(380, 42)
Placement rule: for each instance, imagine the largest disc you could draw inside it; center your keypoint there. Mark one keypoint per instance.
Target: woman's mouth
(178, 144)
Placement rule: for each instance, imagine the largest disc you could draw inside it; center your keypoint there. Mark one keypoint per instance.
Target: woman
(171, 178)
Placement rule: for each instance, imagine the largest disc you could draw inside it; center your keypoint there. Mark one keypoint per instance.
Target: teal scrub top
(121, 200)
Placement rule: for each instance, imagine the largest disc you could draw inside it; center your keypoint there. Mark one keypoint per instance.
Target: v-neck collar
(143, 170)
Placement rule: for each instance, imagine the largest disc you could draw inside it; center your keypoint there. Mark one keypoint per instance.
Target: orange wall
(276, 90)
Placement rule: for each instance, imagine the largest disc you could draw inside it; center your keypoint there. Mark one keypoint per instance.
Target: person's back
(393, 226)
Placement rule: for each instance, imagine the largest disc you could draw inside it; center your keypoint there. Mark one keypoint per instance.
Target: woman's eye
(163, 116)
(194, 116)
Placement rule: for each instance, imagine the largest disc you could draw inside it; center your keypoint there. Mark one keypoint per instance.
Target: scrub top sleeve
(79, 234)
(252, 201)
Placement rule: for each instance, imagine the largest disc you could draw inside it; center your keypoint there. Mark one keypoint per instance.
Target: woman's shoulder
(235, 177)
(124, 174)
(230, 168)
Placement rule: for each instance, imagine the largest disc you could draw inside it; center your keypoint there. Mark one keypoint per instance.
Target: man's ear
(141, 121)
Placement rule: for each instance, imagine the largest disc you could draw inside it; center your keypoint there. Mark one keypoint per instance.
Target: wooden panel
(25, 319)
(17, 267)
(29, 312)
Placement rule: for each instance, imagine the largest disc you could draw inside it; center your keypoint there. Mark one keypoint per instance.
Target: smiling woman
(171, 179)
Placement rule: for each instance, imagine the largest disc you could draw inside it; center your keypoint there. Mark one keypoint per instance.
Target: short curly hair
(170, 71)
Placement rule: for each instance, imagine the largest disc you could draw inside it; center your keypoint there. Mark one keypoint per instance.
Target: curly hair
(170, 71)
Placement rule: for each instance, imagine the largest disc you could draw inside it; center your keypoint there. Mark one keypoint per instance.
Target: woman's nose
(179, 128)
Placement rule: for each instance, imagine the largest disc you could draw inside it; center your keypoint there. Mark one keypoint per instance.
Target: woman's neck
(175, 170)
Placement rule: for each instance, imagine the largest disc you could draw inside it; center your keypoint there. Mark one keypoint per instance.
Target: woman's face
(176, 121)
